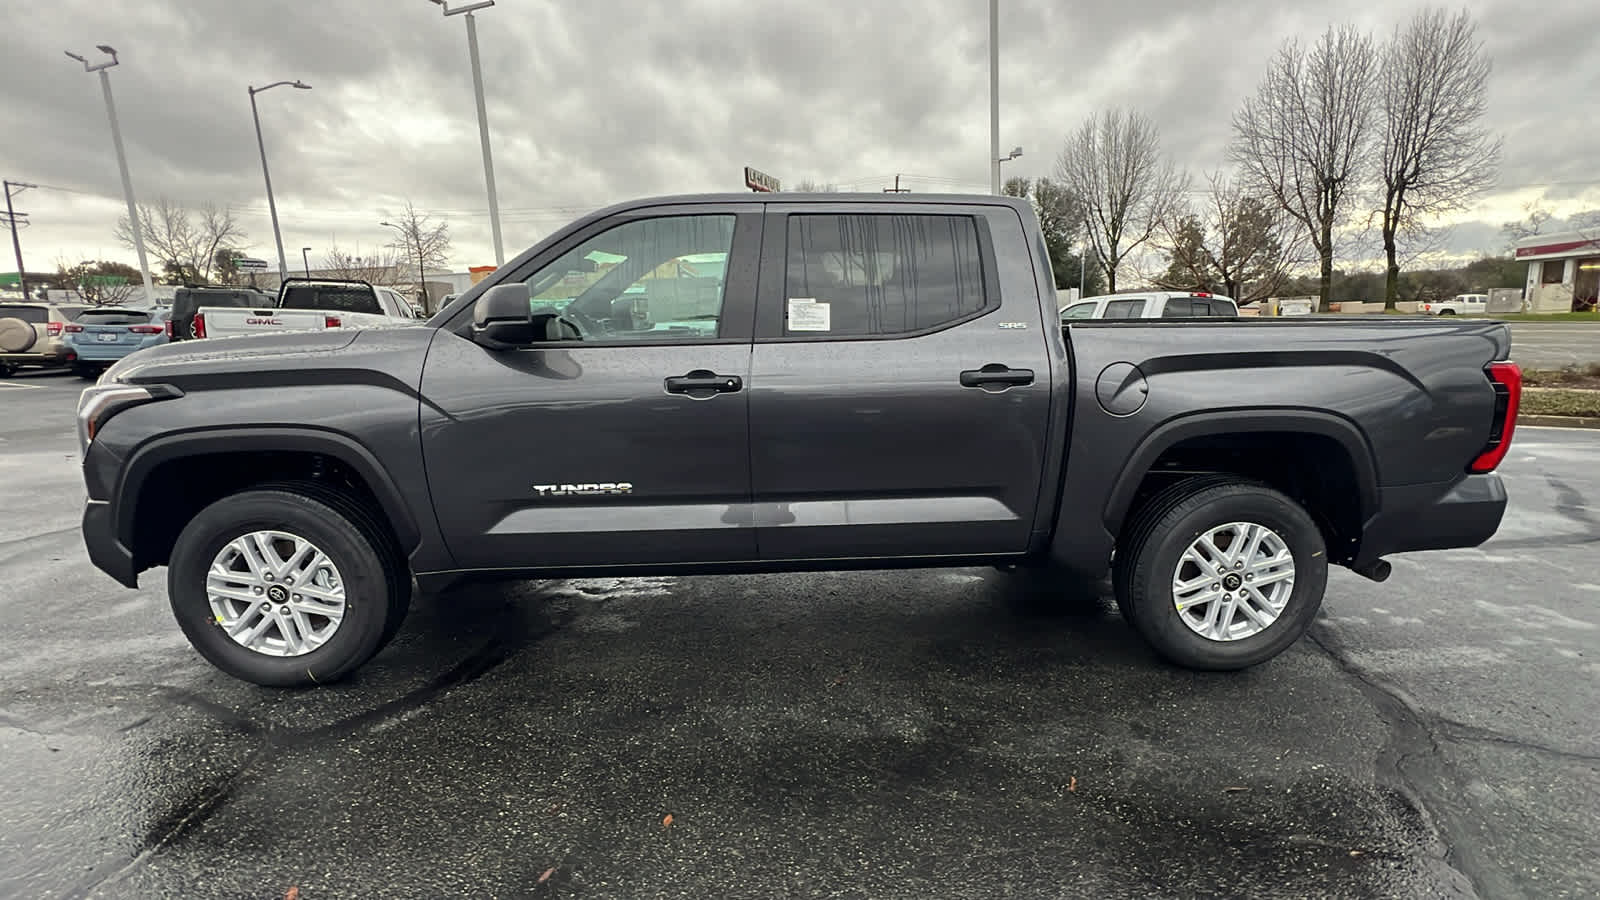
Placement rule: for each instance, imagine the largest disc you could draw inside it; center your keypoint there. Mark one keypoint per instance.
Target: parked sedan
(103, 335)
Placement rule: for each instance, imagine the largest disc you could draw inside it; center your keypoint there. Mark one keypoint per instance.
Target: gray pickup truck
(738, 383)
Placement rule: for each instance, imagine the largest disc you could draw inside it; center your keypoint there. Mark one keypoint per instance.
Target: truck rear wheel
(281, 589)
(1221, 573)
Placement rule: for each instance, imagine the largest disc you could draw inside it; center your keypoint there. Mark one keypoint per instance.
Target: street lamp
(422, 284)
(272, 206)
(1015, 152)
(483, 116)
(122, 163)
(305, 257)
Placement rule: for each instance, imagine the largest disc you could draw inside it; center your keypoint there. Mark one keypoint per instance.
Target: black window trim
(736, 320)
(775, 262)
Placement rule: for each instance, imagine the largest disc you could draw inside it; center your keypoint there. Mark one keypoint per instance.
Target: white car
(1152, 305)
(1459, 305)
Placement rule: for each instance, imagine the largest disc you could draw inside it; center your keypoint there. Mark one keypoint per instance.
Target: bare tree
(1113, 167)
(185, 248)
(98, 283)
(1302, 139)
(1434, 155)
(374, 268)
(422, 244)
(1234, 242)
(1537, 216)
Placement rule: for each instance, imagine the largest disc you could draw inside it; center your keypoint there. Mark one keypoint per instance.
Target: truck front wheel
(1221, 573)
(280, 589)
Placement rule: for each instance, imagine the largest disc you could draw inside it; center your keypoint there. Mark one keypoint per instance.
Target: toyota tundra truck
(766, 383)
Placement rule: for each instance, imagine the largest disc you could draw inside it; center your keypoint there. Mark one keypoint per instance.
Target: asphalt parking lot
(948, 733)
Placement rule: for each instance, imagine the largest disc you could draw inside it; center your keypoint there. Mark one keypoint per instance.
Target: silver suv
(31, 334)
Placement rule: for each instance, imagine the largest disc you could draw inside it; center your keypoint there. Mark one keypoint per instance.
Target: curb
(1560, 421)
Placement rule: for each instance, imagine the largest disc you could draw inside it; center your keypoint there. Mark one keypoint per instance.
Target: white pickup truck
(309, 304)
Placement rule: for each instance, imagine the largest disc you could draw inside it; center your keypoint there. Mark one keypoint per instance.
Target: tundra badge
(588, 489)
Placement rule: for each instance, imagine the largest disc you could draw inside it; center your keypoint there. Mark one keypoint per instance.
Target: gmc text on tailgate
(737, 383)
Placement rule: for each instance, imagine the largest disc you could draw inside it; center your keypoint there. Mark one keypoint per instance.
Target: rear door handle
(996, 375)
(702, 382)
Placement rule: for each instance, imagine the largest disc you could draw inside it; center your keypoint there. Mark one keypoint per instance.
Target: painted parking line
(20, 386)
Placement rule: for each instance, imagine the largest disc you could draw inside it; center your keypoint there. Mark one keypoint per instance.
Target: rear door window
(859, 275)
(1124, 309)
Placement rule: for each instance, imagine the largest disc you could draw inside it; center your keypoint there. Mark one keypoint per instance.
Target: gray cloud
(596, 102)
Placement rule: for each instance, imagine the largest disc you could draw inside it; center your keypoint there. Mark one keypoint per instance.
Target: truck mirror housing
(503, 318)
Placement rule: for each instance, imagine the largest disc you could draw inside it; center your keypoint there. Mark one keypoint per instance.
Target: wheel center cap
(1230, 582)
(277, 594)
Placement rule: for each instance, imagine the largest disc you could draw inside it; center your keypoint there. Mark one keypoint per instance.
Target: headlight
(102, 401)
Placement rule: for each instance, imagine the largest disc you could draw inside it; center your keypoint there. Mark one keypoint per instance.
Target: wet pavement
(1555, 345)
(952, 733)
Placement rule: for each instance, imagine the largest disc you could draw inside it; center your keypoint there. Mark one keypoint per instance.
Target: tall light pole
(122, 163)
(422, 282)
(305, 257)
(1015, 152)
(272, 206)
(994, 96)
(483, 117)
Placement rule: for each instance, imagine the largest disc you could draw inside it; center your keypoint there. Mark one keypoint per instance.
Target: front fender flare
(333, 444)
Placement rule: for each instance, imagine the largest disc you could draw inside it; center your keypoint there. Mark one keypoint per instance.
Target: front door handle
(996, 376)
(702, 382)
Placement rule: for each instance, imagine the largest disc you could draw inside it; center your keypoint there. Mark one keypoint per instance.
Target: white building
(1563, 271)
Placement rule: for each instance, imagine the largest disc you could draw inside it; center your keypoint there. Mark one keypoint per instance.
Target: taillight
(69, 329)
(1506, 378)
(53, 328)
(145, 329)
(332, 322)
(169, 329)
(199, 327)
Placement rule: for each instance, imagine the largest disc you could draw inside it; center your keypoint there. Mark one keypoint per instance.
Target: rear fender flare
(1300, 421)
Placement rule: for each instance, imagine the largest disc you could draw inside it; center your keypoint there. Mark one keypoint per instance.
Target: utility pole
(994, 96)
(897, 189)
(16, 241)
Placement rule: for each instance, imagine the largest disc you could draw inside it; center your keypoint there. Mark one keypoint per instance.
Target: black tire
(367, 582)
(5, 371)
(1164, 529)
(1447, 312)
(400, 583)
(87, 372)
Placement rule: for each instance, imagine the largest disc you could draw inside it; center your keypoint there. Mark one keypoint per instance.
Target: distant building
(1563, 271)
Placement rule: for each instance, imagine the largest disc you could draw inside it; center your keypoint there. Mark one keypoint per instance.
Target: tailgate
(223, 321)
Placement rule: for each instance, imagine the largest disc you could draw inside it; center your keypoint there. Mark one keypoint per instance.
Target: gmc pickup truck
(307, 304)
(738, 383)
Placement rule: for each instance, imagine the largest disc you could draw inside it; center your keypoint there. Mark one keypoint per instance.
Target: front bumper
(105, 551)
(1434, 517)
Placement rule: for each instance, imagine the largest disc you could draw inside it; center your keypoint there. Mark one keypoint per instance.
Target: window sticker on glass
(806, 314)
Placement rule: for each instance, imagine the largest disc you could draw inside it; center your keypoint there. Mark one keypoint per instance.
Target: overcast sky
(598, 101)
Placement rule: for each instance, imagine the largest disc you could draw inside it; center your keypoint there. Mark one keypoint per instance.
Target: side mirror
(503, 318)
